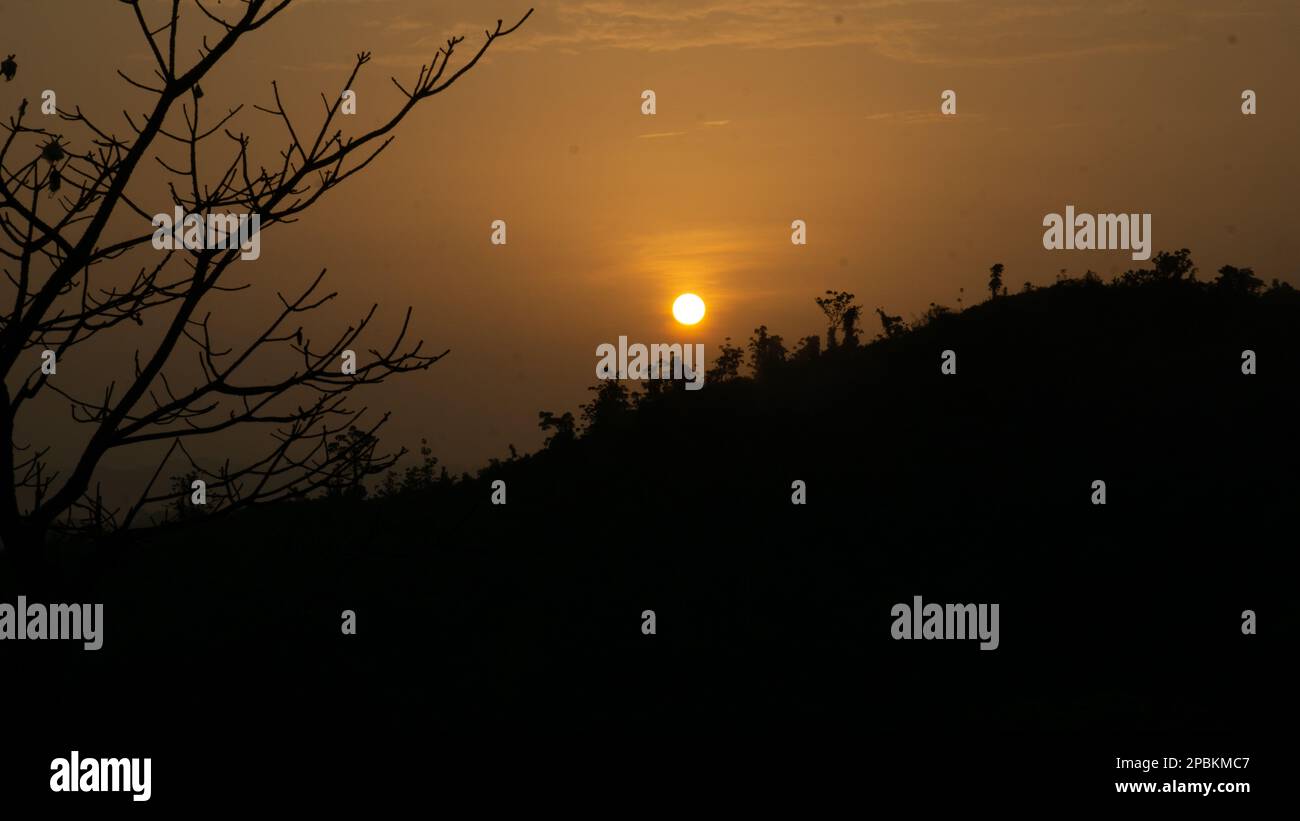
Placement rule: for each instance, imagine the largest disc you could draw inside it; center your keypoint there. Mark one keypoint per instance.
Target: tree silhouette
(352, 461)
(842, 316)
(561, 428)
(766, 353)
(995, 279)
(1240, 280)
(1166, 266)
(61, 298)
(727, 364)
(807, 349)
(416, 477)
(892, 325)
(849, 323)
(610, 404)
(934, 313)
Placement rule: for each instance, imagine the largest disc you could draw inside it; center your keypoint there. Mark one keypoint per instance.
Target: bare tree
(56, 206)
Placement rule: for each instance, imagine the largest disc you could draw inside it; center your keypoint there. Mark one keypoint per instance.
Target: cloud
(919, 117)
(660, 134)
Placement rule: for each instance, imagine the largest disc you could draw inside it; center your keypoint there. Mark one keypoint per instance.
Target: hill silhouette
(1120, 620)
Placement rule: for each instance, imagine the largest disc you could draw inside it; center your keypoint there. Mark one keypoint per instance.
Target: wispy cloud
(660, 134)
(919, 117)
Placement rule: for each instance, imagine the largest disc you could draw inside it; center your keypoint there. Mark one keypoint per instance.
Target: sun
(688, 309)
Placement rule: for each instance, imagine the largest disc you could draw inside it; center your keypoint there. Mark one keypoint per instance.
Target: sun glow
(688, 309)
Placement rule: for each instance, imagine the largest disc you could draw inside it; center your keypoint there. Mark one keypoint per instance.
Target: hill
(1117, 621)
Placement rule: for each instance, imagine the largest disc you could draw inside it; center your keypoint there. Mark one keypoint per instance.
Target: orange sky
(768, 111)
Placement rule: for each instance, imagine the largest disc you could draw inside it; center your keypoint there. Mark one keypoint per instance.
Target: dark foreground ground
(504, 643)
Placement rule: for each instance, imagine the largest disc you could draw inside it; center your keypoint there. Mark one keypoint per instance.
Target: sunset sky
(768, 111)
